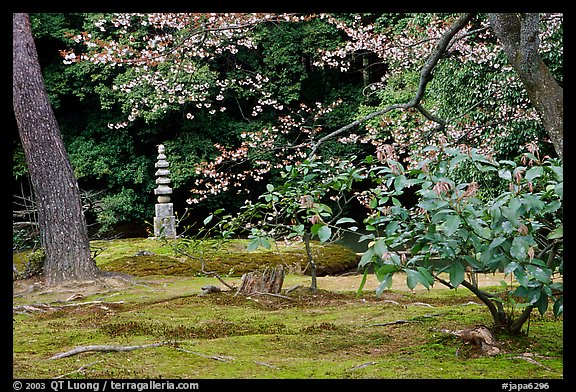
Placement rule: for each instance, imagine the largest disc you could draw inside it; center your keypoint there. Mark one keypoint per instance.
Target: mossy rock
(235, 260)
(149, 265)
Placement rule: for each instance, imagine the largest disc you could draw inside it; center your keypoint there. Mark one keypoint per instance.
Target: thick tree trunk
(518, 34)
(62, 224)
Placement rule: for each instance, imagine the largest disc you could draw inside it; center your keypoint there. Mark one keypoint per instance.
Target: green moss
(230, 260)
(28, 263)
(323, 335)
(328, 334)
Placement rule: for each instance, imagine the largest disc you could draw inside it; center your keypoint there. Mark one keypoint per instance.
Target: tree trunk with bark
(64, 234)
(518, 34)
(270, 281)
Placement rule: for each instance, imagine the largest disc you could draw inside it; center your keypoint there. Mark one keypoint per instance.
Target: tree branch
(425, 77)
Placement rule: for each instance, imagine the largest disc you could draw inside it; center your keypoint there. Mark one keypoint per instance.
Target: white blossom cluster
(169, 62)
(215, 176)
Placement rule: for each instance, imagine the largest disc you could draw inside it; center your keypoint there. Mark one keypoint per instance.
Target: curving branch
(426, 75)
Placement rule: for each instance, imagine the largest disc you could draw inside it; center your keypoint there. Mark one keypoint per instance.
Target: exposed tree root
(43, 307)
(529, 357)
(480, 337)
(104, 348)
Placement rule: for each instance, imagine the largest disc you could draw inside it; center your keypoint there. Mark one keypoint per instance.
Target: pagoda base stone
(165, 221)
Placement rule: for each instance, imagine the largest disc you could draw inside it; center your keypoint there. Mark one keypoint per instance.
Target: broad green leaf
(324, 233)
(366, 257)
(451, 225)
(324, 207)
(533, 172)
(505, 174)
(456, 274)
(452, 151)
(362, 283)
(425, 277)
(253, 245)
(521, 276)
(552, 206)
(399, 183)
(412, 278)
(559, 189)
(542, 304)
(208, 219)
(366, 237)
(533, 203)
(384, 270)
(316, 227)
(457, 159)
(265, 243)
(373, 203)
(556, 233)
(539, 273)
(384, 284)
(391, 228)
(345, 220)
(380, 248)
(559, 171)
(511, 267)
(558, 308)
(519, 248)
(534, 294)
(496, 242)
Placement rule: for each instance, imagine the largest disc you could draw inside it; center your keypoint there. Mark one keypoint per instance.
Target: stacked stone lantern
(164, 221)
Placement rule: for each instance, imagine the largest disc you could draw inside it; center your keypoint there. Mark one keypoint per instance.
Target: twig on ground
(362, 366)
(290, 289)
(222, 358)
(270, 294)
(417, 319)
(266, 364)
(421, 304)
(394, 322)
(79, 370)
(214, 274)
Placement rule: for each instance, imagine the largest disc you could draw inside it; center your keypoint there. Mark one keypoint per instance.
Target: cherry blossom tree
(168, 64)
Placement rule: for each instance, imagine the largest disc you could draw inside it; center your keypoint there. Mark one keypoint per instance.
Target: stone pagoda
(164, 221)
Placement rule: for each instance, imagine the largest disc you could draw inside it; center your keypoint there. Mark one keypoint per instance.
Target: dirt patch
(36, 287)
(351, 282)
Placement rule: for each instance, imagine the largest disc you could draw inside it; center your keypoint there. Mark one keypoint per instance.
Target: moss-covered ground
(331, 334)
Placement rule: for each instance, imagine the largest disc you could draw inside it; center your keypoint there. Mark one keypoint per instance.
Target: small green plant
(308, 204)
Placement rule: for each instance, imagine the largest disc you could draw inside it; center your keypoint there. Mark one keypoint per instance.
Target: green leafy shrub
(451, 230)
